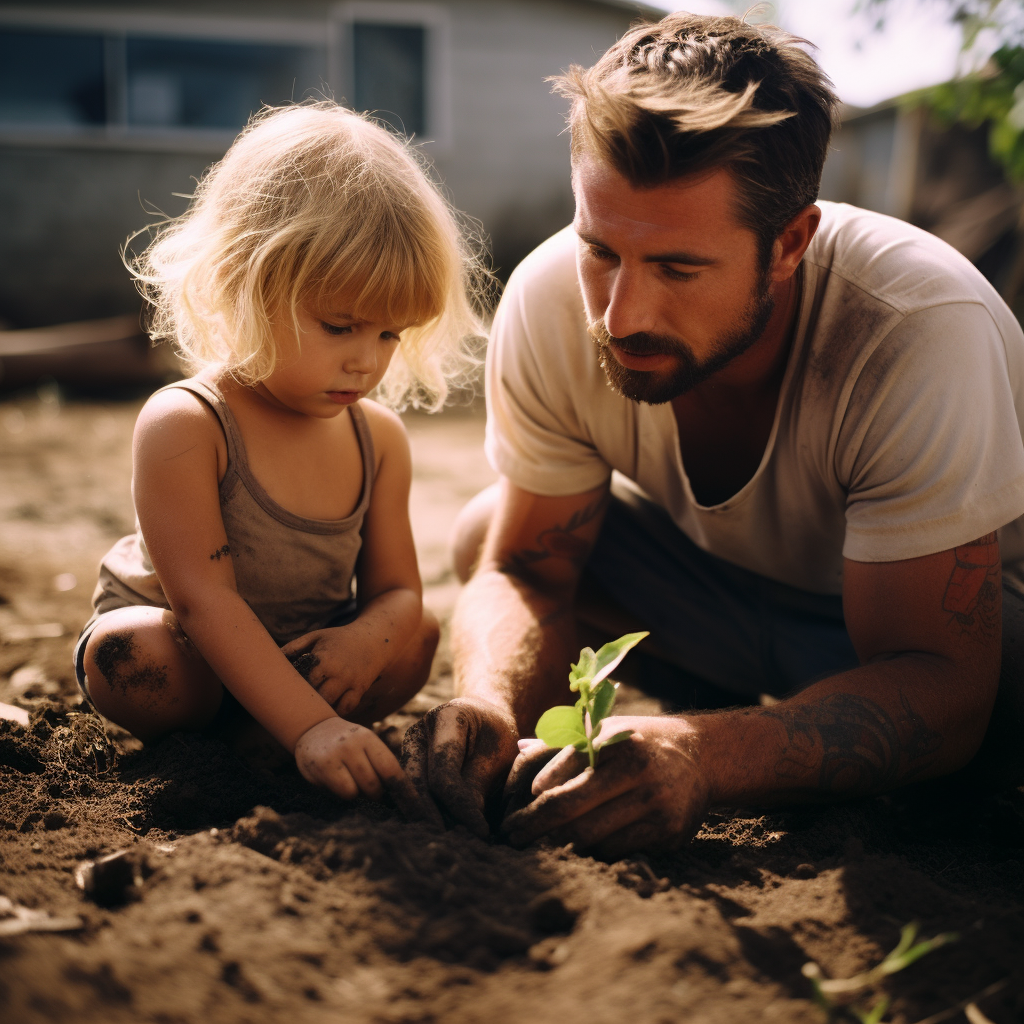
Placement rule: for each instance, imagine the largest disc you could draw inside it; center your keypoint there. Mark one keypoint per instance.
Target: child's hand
(350, 760)
(338, 663)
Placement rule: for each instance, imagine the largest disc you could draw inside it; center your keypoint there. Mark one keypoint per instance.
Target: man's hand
(458, 753)
(647, 792)
(352, 761)
(339, 663)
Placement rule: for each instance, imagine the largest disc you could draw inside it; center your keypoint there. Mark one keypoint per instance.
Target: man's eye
(335, 328)
(680, 275)
(602, 254)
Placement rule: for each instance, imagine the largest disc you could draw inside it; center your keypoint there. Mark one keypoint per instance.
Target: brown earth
(251, 897)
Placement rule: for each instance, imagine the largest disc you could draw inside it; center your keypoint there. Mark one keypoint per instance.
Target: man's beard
(656, 388)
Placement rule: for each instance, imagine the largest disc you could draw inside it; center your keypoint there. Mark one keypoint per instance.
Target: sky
(917, 47)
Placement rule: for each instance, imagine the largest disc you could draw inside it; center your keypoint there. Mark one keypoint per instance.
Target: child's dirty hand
(338, 663)
(351, 761)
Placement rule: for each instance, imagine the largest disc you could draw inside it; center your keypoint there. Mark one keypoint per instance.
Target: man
(814, 413)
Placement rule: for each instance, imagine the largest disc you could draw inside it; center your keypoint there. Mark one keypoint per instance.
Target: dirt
(245, 895)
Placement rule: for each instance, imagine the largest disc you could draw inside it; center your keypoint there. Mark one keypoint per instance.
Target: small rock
(32, 680)
(14, 714)
(805, 871)
(113, 880)
(261, 831)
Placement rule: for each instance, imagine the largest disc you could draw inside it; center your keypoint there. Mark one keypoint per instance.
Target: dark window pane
(389, 70)
(191, 83)
(51, 78)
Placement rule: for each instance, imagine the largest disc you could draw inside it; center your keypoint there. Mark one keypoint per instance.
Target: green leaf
(609, 656)
(561, 727)
(583, 669)
(600, 744)
(892, 963)
(875, 1014)
(604, 698)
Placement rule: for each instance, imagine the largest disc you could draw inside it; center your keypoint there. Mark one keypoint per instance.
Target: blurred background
(110, 111)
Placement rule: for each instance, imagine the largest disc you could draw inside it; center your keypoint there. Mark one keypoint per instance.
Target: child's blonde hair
(311, 202)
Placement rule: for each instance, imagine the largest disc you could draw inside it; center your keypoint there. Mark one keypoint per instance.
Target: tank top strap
(367, 453)
(211, 394)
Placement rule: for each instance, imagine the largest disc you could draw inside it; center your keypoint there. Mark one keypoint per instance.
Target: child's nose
(362, 357)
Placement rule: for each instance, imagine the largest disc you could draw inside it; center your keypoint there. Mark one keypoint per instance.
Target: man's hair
(691, 94)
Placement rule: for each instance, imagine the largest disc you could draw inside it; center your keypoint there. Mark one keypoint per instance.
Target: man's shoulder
(548, 274)
(896, 264)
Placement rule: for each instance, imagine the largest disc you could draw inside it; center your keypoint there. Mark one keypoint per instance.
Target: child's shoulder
(175, 412)
(386, 429)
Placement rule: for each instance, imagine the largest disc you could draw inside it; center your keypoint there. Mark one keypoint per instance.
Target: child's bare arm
(349, 658)
(177, 453)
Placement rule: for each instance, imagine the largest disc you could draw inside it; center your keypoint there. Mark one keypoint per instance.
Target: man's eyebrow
(688, 259)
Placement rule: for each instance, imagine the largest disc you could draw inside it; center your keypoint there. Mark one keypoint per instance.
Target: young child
(314, 256)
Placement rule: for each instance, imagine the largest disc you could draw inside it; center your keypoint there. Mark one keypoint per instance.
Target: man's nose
(630, 307)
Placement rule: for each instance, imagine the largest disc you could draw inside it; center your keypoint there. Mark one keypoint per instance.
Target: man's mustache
(640, 344)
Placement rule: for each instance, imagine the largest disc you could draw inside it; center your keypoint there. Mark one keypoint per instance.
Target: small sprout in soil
(833, 995)
(579, 726)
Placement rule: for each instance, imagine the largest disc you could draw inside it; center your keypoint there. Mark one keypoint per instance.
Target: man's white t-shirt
(898, 428)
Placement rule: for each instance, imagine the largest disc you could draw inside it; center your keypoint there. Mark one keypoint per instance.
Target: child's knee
(117, 660)
(140, 665)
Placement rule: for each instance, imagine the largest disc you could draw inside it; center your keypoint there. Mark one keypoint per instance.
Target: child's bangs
(390, 278)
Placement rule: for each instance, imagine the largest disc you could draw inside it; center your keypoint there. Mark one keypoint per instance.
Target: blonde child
(314, 257)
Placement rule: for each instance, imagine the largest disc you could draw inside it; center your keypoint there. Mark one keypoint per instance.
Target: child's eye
(335, 328)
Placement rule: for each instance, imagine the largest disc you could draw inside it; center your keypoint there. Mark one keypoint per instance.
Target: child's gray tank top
(295, 573)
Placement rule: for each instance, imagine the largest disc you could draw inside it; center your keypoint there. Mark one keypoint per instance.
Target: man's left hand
(648, 792)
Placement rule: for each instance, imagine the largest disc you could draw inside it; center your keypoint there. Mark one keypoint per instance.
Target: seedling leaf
(562, 727)
(600, 744)
(875, 1014)
(579, 725)
(608, 657)
(604, 698)
(583, 669)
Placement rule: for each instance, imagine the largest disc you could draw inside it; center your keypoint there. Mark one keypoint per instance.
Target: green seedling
(833, 995)
(579, 726)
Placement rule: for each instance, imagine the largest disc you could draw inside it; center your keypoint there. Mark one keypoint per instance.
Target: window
(51, 78)
(192, 83)
(391, 57)
(389, 68)
(163, 80)
(170, 81)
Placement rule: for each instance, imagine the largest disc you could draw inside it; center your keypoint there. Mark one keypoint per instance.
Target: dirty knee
(118, 659)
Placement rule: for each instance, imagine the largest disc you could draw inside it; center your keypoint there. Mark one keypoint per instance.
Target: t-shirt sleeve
(929, 448)
(537, 362)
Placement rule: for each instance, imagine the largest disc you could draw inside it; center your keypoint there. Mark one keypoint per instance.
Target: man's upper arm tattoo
(972, 597)
(557, 542)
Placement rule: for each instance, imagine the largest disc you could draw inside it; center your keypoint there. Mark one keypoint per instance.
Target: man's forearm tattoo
(557, 542)
(852, 744)
(972, 595)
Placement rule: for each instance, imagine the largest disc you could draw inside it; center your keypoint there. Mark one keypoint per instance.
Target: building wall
(67, 209)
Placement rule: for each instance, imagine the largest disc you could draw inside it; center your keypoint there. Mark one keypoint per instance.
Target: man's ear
(792, 242)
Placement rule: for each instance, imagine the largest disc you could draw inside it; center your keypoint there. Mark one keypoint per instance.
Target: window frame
(115, 28)
(436, 23)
